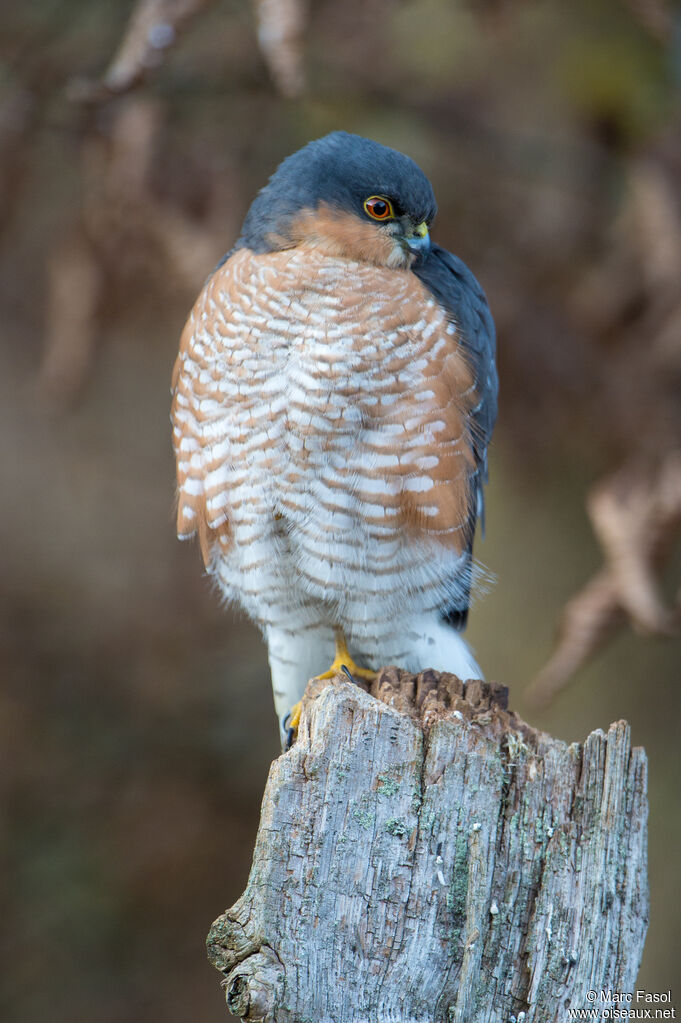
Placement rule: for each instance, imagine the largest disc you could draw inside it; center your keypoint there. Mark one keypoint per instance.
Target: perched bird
(333, 400)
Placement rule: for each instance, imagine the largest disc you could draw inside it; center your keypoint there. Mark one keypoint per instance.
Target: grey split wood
(424, 856)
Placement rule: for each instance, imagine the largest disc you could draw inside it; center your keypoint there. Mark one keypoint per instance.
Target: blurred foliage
(135, 712)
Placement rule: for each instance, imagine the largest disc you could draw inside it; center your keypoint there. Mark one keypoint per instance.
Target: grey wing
(452, 283)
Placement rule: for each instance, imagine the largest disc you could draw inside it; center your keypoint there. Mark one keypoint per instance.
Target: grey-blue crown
(341, 170)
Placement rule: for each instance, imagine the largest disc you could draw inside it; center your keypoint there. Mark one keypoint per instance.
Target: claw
(289, 726)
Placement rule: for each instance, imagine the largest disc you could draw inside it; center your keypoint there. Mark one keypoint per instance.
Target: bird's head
(349, 196)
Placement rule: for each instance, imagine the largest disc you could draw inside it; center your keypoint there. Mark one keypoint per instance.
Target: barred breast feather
(324, 441)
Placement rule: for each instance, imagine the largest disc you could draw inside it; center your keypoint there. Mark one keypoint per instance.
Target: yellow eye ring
(379, 208)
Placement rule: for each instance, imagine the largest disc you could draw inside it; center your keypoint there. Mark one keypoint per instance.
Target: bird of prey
(333, 400)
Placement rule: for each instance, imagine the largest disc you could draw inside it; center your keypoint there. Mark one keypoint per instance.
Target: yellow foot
(344, 662)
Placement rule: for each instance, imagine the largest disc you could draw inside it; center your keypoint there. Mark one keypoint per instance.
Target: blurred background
(136, 726)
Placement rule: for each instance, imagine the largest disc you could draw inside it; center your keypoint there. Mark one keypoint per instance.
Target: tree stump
(424, 856)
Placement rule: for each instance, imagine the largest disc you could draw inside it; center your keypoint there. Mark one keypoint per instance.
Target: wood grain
(424, 855)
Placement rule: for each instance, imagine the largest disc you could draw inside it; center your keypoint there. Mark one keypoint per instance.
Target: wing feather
(452, 283)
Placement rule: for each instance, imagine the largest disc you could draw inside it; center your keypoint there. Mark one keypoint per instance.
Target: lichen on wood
(424, 856)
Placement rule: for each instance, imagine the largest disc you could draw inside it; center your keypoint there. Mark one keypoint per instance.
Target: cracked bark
(424, 856)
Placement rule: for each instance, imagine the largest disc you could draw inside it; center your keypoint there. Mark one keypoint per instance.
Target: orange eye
(379, 208)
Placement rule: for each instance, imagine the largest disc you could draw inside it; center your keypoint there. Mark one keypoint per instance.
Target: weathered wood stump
(426, 857)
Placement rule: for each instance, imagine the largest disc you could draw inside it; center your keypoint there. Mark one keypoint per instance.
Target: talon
(290, 725)
(294, 715)
(343, 662)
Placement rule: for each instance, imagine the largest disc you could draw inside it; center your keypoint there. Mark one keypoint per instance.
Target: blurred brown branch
(281, 28)
(152, 29)
(631, 302)
(636, 515)
(155, 25)
(124, 232)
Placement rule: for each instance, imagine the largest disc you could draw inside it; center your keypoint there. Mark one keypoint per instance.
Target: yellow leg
(343, 659)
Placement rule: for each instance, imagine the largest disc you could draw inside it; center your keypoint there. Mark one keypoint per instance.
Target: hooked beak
(418, 240)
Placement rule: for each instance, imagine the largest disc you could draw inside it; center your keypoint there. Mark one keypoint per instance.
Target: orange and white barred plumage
(324, 428)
